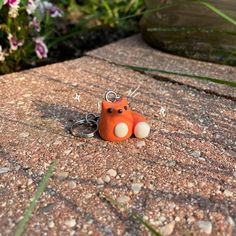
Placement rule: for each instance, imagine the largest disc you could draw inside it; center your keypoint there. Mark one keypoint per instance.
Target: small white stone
(107, 179)
(190, 184)
(196, 154)
(123, 199)
(67, 152)
(121, 130)
(177, 219)
(136, 187)
(205, 226)
(70, 223)
(234, 174)
(72, 184)
(62, 175)
(100, 181)
(231, 221)
(112, 172)
(228, 193)
(140, 144)
(142, 130)
(168, 229)
(4, 170)
(51, 224)
(24, 134)
(30, 181)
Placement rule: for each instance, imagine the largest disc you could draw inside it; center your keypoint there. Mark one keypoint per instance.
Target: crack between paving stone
(168, 80)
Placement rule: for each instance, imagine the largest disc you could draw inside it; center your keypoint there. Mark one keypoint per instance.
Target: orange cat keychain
(117, 122)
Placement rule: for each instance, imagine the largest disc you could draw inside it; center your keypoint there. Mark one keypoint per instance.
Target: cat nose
(120, 111)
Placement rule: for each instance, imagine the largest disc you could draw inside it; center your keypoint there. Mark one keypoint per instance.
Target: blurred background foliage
(61, 30)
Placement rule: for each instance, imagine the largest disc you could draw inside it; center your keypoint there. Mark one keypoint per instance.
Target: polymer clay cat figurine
(118, 122)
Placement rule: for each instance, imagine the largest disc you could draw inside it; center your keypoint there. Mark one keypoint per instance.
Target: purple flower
(14, 43)
(52, 9)
(41, 48)
(36, 24)
(32, 6)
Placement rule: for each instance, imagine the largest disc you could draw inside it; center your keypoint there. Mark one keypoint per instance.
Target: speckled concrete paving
(181, 179)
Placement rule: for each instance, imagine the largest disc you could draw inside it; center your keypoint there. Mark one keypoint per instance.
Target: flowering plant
(25, 27)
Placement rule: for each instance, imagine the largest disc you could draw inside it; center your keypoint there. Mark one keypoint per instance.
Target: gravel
(205, 226)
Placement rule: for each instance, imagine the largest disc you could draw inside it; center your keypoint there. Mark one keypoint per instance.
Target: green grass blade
(134, 215)
(218, 81)
(218, 12)
(28, 212)
(189, 30)
(145, 224)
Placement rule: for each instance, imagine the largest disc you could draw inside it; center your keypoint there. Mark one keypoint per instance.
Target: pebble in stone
(100, 181)
(30, 181)
(67, 152)
(231, 221)
(70, 223)
(190, 184)
(196, 154)
(24, 135)
(62, 175)
(112, 172)
(205, 226)
(72, 184)
(4, 170)
(171, 163)
(140, 144)
(234, 174)
(136, 187)
(228, 193)
(51, 224)
(123, 199)
(107, 179)
(168, 229)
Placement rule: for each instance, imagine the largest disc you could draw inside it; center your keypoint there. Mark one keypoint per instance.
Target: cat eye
(110, 110)
(126, 108)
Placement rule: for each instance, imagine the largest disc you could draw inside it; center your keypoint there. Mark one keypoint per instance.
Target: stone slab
(186, 168)
(135, 52)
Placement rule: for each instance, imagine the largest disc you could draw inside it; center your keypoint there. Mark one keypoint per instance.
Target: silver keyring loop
(91, 117)
(115, 96)
(84, 134)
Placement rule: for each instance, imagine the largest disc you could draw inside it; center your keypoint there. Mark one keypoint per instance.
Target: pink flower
(12, 3)
(41, 48)
(14, 43)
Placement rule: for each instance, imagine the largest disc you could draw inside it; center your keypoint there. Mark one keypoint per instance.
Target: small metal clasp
(111, 96)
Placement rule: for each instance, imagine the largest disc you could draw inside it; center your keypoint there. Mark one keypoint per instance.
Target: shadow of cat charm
(118, 123)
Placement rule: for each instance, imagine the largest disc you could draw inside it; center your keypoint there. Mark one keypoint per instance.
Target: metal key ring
(93, 116)
(115, 96)
(84, 134)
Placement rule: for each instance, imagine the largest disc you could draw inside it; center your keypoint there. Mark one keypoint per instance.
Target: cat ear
(124, 101)
(106, 105)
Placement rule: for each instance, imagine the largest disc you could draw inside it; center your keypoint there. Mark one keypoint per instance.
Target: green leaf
(1, 4)
(219, 12)
(28, 212)
(218, 81)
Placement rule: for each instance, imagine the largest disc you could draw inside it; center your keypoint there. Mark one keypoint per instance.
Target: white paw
(142, 130)
(121, 130)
